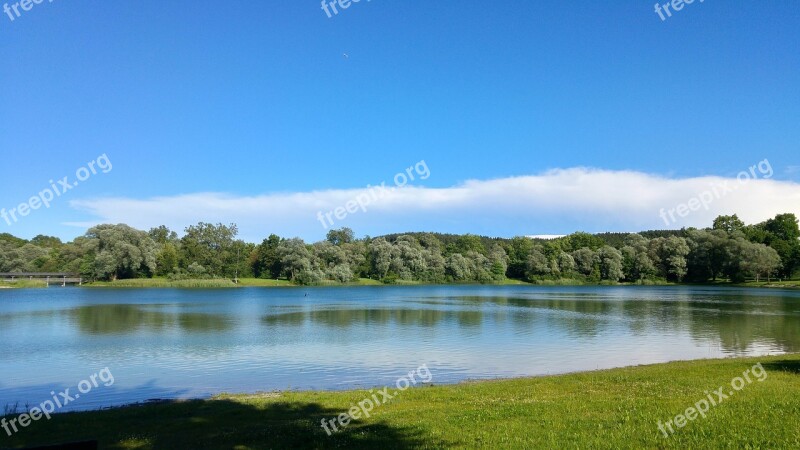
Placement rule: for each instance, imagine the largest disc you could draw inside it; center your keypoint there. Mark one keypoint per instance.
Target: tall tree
(610, 263)
(708, 254)
(669, 256)
(118, 251)
(380, 254)
(341, 236)
(211, 246)
(538, 264)
(728, 224)
(585, 261)
(295, 258)
(266, 262)
(636, 261)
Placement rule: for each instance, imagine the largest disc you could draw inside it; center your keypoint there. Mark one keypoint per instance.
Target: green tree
(27, 258)
(167, 259)
(636, 261)
(47, 241)
(519, 250)
(266, 262)
(211, 246)
(499, 262)
(566, 264)
(458, 268)
(538, 264)
(341, 236)
(380, 255)
(750, 259)
(708, 254)
(610, 263)
(581, 240)
(118, 251)
(295, 259)
(782, 235)
(728, 224)
(469, 243)
(162, 235)
(669, 256)
(585, 261)
(784, 227)
(759, 260)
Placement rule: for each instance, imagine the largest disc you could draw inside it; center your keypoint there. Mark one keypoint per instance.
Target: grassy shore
(213, 283)
(260, 282)
(772, 284)
(162, 283)
(25, 284)
(619, 408)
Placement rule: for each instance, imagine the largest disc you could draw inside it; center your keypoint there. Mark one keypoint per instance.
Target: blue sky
(263, 113)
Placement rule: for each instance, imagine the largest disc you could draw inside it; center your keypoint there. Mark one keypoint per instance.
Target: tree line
(729, 250)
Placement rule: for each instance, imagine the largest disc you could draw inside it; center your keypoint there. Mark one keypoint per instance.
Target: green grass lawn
(213, 283)
(26, 284)
(260, 282)
(162, 283)
(618, 408)
(786, 284)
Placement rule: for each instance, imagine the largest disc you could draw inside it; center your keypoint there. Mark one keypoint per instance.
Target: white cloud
(555, 202)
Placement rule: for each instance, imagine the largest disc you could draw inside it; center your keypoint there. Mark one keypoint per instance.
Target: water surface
(165, 343)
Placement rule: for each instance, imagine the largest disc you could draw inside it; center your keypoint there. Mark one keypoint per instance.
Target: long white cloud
(556, 201)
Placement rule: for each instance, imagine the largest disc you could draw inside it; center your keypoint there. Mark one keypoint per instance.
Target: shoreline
(153, 283)
(619, 408)
(469, 381)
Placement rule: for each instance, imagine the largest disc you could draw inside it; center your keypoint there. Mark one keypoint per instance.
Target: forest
(728, 250)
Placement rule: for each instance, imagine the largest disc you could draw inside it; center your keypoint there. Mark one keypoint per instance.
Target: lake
(169, 343)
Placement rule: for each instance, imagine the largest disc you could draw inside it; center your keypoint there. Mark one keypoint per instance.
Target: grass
(260, 282)
(512, 282)
(562, 282)
(786, 284)
(163, 283)
(214, 283)
(618, 408)
(359, 282)
(369, 282)
(26, 284)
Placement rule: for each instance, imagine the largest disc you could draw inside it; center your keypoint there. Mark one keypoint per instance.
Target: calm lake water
(161, 343)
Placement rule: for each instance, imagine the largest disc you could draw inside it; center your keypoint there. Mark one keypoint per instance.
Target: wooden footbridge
(56, 278)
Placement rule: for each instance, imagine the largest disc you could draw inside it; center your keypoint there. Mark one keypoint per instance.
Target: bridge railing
(49, 278)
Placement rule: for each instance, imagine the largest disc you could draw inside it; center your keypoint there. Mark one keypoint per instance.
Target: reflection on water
(101, 319)
(110, 319)
(345, 318)
(187, 343)
(737, 324)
